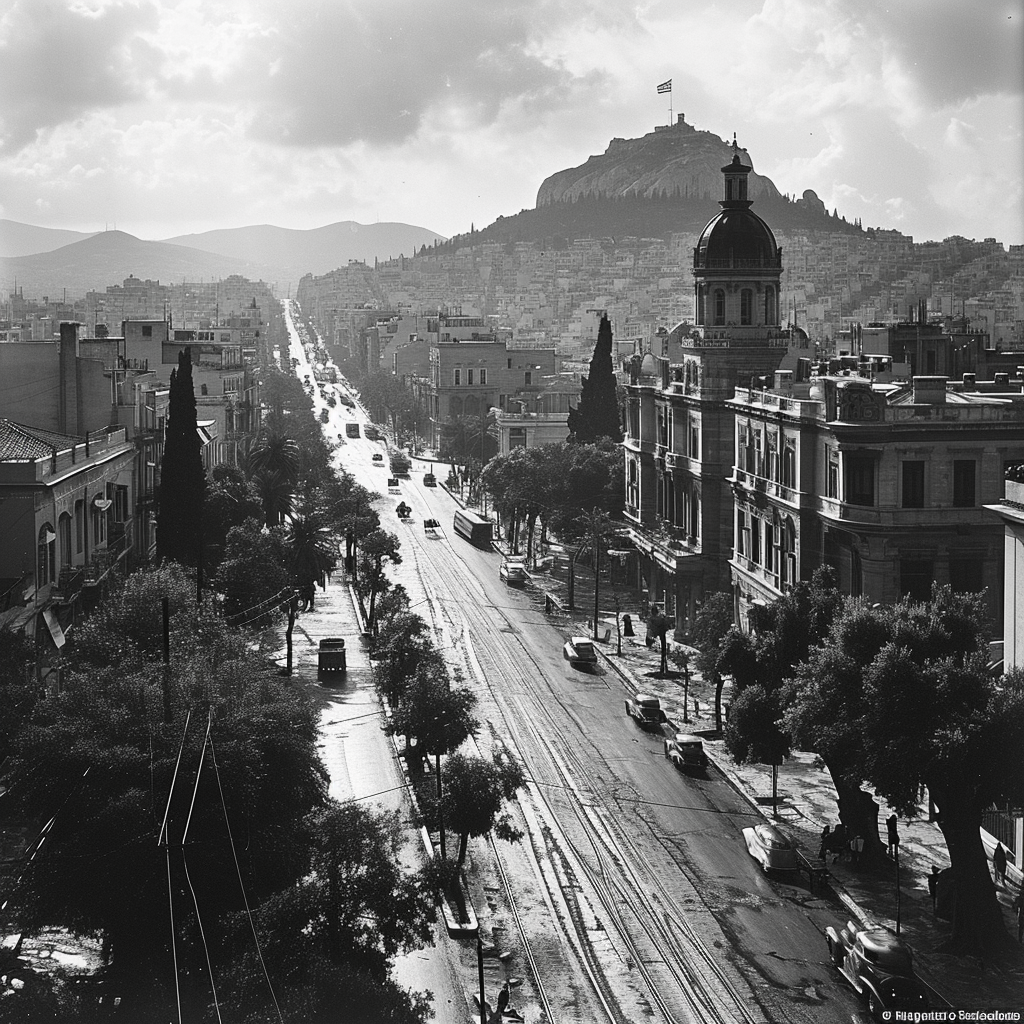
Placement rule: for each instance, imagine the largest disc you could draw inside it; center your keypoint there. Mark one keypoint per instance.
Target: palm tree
(272, 463)
(312, 553)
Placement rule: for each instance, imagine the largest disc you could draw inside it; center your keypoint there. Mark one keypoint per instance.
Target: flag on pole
(665, 87)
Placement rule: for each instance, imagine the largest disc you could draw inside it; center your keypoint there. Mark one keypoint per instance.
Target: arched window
(719, 307)
(46, 567)
(455, 406)
(701, 292)
(770, 316)
(79, 526)
(746, 306)
(64, 537)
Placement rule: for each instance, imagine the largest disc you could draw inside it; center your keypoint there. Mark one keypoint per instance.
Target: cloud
(58, 61)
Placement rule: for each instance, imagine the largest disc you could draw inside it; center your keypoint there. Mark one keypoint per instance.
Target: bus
(474, 528)
(351, 429)
(400, 463)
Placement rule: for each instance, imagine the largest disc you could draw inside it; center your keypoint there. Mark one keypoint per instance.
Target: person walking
(1018, 909)
(825, 839)
(839, 842)
(933, 886)
(999, 864)
(856, 849)
(893, 834)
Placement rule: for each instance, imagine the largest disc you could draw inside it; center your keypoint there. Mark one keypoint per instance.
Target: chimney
(929, 390)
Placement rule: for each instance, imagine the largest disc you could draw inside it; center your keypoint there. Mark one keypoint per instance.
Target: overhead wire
(241, 883)
(184, 862)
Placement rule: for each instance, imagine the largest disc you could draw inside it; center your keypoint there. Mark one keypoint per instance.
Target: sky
(166, 117)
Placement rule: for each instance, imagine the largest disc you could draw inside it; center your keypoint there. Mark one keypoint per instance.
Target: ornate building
(679, 441)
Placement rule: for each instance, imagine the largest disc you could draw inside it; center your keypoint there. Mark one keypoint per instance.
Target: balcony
(68, 585)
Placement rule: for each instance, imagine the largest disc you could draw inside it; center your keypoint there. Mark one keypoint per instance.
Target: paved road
(632, 895)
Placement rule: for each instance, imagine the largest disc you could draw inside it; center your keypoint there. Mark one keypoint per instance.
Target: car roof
(770, 831)
(686, 737)
(515, 558)
(646, 698)
(577, 640)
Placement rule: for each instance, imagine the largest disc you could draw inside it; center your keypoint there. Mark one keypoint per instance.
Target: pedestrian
(999, 864)
(933, 886)
(839, 842)
(627, 626)
(825, 839)
(1018, 907)
(503, 997)
(894, 836)
(856, 849)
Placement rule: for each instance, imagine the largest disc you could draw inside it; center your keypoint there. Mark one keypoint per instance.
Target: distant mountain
(672, 160)
(18, 239)
(111, 256)
(315, 251)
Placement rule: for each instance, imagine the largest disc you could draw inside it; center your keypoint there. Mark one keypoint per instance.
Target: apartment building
(886, 481)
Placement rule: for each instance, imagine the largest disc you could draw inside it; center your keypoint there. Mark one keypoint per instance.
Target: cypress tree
(182, 477)
(597, 415)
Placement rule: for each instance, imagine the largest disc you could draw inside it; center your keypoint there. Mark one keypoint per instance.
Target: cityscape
(609, 611)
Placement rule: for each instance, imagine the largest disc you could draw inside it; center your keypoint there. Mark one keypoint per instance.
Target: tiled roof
(19, 443)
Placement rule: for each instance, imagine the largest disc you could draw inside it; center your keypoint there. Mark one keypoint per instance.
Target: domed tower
(737, 264)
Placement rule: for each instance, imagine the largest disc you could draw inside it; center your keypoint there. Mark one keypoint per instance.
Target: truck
(400, 463)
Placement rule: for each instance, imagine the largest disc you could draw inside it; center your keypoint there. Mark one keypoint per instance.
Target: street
(632, 894)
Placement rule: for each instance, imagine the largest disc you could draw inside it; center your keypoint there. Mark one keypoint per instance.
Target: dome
(737, 238)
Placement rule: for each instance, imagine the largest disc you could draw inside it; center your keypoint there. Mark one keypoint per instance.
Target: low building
(536, 419)
(67, 515)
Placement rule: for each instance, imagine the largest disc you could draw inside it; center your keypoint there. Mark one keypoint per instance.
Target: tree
(753, 733)
(438, 714)
(476, 789)
(710, 625)
(597, 415)
(311, 554)
(465, 439)
(182, 477)
(330, 937)
(253, 572)
(99, 758)
(18, 691)
(231, 499)
(899, 697)
(378, 547)
(273, 462)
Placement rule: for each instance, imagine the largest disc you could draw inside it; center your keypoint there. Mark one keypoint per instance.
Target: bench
(814, 871)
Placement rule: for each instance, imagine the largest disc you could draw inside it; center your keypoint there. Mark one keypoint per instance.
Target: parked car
(377, 459)
(429, 480)
(645, 710)
(767, 845)
(686, 752)
(513, 570)
(879, 967)
(579, 651)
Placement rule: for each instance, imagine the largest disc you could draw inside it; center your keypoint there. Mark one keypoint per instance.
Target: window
(483, 376)
(746, 306)
(963, 483)
(510, 364)
(469, 376)
(832, 475)
(79, 527)
(860, 481)
(457, 377)
(517, 437)
(770, 540)
(700, 304)
(64, 536)
(769, 306)
(755, 539)
(633, 487)
(916, 578)
(99, 526)
(789, 465)
(742, 538)
(913, 484)
(147, 332)
(47, 556)
(719, 308)
(694, 451)
(120, 496)
(529, 378)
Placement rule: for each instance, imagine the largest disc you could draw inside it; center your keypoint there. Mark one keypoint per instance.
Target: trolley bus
(474, 528)
(351, 429)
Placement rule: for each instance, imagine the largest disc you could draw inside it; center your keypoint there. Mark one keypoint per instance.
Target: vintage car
(432, 528)
(645, 710)
(393, 485)
(378, 460)
(686, 752)
(579, 651)
(767, 845)
(429, 480)
(513, 570)
(879, 966)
